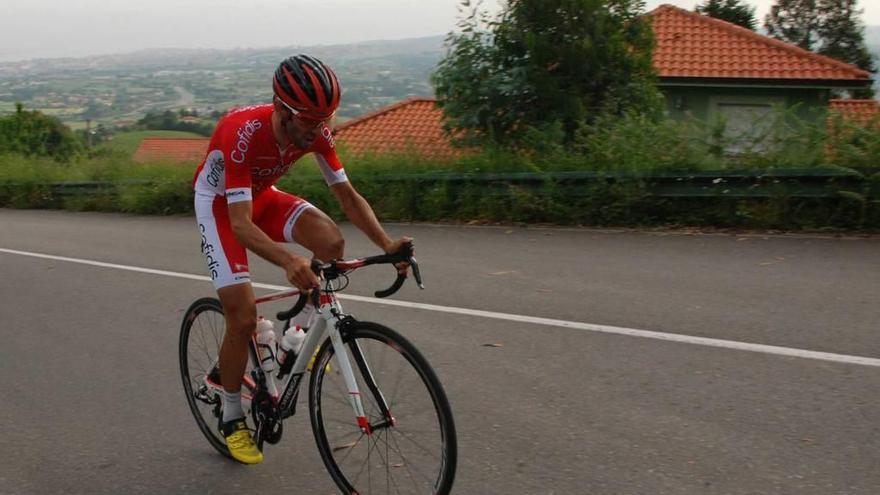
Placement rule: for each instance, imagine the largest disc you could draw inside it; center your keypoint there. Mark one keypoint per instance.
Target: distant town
(118, 90)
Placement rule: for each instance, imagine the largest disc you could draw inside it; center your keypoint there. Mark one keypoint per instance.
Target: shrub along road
(94, 404)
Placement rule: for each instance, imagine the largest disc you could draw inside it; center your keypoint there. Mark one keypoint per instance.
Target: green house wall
(701, 102)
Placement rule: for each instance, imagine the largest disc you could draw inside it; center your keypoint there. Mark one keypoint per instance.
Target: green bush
(624, 153)
(855, 145)
(634, 143)
(156, 198)
(32, 133)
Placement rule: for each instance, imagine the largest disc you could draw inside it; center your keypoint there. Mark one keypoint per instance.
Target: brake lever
(315, 298)
(416, 274)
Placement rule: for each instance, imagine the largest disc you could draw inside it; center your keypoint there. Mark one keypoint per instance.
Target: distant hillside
(180, 58)
(119, 89)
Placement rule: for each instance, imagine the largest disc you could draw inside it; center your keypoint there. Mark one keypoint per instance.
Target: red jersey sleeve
(328, 160)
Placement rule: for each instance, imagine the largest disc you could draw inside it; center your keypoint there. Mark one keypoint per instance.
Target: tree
(170, 121)
(732, 11)
(794, 21)
(842, 36)
(33, 133)
(828, 27)
(546, 65)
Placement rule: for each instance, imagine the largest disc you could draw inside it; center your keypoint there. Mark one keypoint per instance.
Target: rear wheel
(415, 453)
(201, 335)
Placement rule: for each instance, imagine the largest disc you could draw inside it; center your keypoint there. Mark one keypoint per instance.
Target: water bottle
(266, 346)
(291, 343)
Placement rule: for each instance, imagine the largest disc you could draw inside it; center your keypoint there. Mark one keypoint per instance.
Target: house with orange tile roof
(410, 126)
(176, 150)
(861, 112)
(708, 67)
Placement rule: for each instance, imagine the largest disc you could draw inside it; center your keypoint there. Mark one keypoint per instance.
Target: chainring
(267, 421)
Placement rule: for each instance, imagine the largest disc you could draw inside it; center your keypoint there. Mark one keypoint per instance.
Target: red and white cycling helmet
(307, 87)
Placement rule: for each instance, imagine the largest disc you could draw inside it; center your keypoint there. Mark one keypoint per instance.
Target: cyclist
(238, 208)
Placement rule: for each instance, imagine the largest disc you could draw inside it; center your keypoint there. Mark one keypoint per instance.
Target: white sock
(231, 402)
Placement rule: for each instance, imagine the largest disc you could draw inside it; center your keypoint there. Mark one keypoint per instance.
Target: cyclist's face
(300, 131)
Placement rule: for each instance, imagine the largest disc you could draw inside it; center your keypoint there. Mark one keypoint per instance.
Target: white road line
(631, 332)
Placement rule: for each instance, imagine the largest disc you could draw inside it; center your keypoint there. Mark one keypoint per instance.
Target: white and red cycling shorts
(274, 212)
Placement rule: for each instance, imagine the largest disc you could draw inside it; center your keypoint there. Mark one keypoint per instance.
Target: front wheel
(412, 447)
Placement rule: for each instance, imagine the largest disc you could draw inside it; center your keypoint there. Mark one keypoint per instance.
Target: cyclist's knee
(333, 248)
(319, 234)
(242, 323)
(331, 244)
(239, 309)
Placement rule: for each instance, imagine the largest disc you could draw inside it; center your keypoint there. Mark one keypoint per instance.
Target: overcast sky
(52, 28)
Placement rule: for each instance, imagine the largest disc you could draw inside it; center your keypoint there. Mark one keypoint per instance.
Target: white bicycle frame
(325, 322)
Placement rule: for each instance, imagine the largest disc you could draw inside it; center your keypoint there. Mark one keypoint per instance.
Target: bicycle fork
(334, 324)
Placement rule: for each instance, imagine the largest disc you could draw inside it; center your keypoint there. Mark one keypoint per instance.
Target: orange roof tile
(857, 111)
(171, 149)
(689, 44)
(413, 125)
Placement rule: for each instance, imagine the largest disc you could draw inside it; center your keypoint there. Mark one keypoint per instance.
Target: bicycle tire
(379, 344)
(192, 315)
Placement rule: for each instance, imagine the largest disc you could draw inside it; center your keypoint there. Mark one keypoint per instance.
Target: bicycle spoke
(385, 461)
(351, 449)
(204, 348)
(215, 328)
(206, 353)
(388, 466)
(406, 465)
(420, 446)
(343, 436)
(367, 463)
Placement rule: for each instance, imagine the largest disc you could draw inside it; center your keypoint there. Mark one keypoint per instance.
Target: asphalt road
(93, 402)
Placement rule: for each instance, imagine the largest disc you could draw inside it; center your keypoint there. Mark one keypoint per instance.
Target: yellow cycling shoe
(240, 444)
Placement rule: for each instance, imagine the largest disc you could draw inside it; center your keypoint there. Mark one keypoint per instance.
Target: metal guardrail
(802, 183)
(805, 183)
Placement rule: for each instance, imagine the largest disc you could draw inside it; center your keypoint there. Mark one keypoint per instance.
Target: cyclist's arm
(355, 207)
(359, 212)
(254, 239)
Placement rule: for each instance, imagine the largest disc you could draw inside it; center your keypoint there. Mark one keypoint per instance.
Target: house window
(748, 122)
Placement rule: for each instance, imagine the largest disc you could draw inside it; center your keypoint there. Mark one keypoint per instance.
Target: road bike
(380, 417)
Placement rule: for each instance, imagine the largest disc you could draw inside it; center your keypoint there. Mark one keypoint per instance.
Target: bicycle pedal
(204, 394)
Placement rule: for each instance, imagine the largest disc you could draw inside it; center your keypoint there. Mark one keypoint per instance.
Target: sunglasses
(307, 122)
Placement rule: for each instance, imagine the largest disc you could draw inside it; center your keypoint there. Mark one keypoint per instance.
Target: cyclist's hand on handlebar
(299, 273)
(395, 247)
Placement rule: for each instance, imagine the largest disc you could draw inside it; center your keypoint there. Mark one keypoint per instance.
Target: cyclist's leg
(319, 234)
(288, 218)
(228, 265)
(240, 311)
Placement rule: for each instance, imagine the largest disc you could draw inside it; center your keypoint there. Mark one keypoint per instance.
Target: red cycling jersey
(244, 159)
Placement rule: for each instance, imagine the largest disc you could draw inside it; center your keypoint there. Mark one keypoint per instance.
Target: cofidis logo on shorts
(243, 143)
(208, 251)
